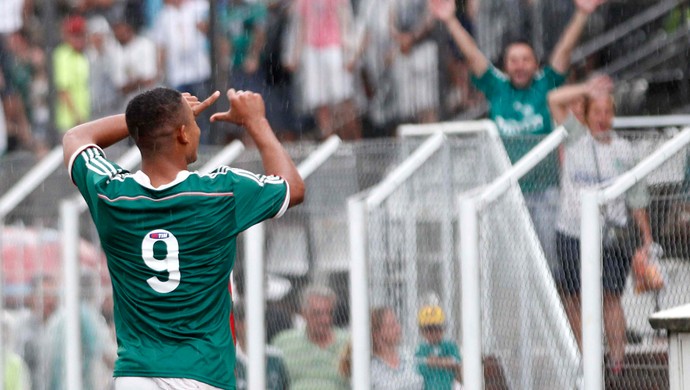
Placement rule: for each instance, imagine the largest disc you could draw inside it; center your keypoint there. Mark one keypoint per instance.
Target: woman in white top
(391, 369)
(595, 154)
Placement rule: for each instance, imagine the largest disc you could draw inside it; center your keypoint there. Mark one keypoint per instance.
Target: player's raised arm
(444, 10)
(247, 109)
(109, 130)
(102, 132)
(561, 56)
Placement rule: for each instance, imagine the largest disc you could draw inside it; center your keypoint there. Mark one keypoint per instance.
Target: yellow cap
(431, 316)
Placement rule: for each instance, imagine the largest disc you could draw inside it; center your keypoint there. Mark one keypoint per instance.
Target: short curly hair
(153, 115)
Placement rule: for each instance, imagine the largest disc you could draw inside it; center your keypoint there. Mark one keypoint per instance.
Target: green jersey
(170, 251)
(437, 378)
(522, 116)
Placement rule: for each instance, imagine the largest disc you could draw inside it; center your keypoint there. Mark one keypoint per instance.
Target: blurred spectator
(595, 154)
(100, 52)
(180, 34)
(16, 372)
(3, 122)
(98, 351)
(415, 66)
(19, 62)
(276, 372)
(135, 64)
(325, 61)
(390, 369)
(244, 23)
(33, 335)
(14, 15)
(312, 354)
(438, 359)
(71, 76)
(461, 95)
(110, 9)
(40, 106)
(277, 92)
(244, 29)
(377, 51)
(518, 105)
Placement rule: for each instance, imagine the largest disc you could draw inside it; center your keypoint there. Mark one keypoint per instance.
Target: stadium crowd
(356, 68)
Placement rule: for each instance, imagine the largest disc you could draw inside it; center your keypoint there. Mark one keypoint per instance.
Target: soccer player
(169, 234)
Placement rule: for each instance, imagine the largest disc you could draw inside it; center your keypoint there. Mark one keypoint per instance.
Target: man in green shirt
(518, 104)
(169, 235)
(312, 354)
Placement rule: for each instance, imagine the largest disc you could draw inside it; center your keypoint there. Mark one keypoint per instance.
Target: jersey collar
(144, 181)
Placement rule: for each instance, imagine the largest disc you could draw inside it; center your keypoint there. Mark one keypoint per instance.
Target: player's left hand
(245, 107)
(197, 106)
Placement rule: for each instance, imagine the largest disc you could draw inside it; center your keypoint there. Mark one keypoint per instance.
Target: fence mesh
(412, 257)
(412, 245)
(519, 296)
(525, 332)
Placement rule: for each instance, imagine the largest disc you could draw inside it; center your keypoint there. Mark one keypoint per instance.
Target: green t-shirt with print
(523, 119)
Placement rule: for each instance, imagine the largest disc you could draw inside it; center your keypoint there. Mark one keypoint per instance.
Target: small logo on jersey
(159, 236)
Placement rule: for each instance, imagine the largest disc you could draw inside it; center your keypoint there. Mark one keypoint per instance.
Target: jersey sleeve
(258, 197)
(88, 167)
(552, 78)
(488, 83)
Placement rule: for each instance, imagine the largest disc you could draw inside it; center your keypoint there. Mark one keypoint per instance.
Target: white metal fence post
(359, 294)
(255, 305)
(473, 374)
(69, 216)
(591, 289)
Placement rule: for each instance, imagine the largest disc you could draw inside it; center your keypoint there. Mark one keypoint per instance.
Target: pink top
(321, 22)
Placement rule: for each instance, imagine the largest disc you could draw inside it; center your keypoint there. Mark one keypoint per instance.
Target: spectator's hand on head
(245, 107)
(444, 10)
(588, 6)
(197, 106)
(599, 85)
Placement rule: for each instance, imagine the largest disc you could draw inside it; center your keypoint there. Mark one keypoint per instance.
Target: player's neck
(162, 171)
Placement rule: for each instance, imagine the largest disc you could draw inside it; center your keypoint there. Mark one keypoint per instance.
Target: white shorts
(326, 81)
(416, 80)
(142, 383)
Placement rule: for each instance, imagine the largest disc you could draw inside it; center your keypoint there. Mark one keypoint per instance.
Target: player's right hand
(197, 106)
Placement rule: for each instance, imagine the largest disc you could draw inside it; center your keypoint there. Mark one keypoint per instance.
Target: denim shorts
(615, 266)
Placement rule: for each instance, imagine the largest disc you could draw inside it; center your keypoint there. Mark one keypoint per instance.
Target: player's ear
(182, 134)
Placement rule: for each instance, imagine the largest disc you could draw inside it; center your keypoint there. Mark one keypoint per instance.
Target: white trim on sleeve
(76, 153)
(286, 202)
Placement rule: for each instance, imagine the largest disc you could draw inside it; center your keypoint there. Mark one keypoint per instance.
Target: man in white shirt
(135, 66)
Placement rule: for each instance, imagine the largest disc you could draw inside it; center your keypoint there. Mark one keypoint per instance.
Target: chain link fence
(413, 262)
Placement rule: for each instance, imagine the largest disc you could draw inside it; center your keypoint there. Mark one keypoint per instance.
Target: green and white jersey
(170, 251)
